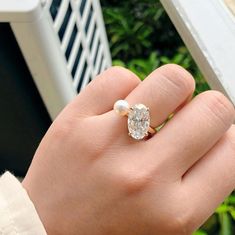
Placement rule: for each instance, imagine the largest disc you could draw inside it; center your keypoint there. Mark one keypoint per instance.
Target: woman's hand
(88, 177)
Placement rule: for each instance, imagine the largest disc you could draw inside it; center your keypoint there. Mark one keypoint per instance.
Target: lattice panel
(79, 28)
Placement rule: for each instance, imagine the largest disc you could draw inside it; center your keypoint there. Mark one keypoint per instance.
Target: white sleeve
(18, 215)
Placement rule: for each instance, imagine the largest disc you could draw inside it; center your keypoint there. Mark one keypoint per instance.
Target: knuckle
(125, 79)
(181, 222)
(219, 106)
(60, 131)
(131, 181)
(180, 225)
(230, 138)
(179, 77)
(122, 73)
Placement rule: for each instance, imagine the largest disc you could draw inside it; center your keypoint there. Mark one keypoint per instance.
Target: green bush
(142, 38)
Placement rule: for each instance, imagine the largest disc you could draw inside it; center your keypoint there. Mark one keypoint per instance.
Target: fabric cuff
(18, 215)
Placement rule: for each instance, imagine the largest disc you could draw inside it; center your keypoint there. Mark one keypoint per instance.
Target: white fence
(208, 30)
(63, 42)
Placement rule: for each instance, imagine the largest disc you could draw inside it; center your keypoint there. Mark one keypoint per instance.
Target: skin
(88, 177)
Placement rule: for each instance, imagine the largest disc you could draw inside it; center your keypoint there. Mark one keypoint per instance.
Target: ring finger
(163, 91)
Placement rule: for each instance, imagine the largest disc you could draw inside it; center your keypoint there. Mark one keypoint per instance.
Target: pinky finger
(212, 178)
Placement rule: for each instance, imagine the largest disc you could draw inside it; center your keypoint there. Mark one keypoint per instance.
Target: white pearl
(121, 107)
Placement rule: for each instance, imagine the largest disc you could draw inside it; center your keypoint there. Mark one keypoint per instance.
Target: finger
(191, 132)
(163, 91)
(99, 96)
(212, 178)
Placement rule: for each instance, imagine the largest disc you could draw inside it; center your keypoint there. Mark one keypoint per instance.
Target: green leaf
(232, 213)
(225, 223)
(231, 199)
(199, 232)
(222, 208)
(118, 63)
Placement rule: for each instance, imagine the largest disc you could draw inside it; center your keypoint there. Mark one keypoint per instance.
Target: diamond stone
(138, 121)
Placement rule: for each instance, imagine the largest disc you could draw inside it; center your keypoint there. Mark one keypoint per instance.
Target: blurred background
(142, 38)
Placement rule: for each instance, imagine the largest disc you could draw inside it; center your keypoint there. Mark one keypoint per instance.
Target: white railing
(208, 30)
(63, 42)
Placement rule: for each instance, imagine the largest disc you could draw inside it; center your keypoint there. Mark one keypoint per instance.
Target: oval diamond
(138, 121)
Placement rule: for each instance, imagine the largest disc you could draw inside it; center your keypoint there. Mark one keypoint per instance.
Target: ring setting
(138, 119)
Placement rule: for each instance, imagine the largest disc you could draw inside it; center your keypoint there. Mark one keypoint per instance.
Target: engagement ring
(138, 119)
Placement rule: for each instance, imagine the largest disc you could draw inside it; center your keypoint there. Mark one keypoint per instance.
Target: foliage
(142, 38)
(135, 29)
(222, 222)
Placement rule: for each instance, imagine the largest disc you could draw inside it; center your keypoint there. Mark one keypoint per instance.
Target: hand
(88, 177)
